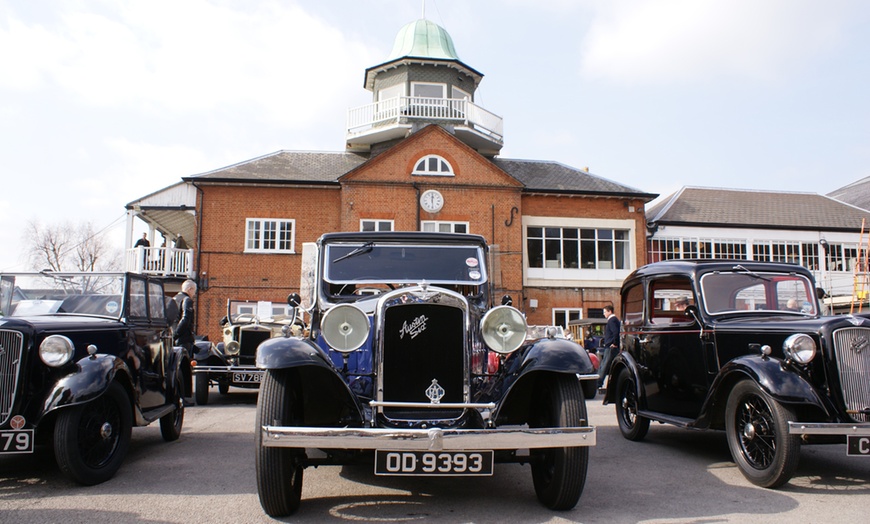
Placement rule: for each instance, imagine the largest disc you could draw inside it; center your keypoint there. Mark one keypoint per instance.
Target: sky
(103, 102)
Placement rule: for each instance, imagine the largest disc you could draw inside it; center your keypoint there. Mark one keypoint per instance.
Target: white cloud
(676, 41)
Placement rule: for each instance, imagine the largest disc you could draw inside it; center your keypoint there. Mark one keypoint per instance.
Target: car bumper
(432, 439)
(822, 428)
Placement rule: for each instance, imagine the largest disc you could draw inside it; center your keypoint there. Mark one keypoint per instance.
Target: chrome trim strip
(822, 428)
(432, 439)
(228, 369)
(422, 405)
(11, 348)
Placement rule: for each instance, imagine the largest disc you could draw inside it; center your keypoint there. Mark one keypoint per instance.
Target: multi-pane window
(375, 225)
(269, 235)
(444, 227)
(580, 248)
(433, 165)
(561, 316)
(793, 252)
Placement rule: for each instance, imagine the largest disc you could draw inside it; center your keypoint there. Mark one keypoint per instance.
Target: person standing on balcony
(144, 244)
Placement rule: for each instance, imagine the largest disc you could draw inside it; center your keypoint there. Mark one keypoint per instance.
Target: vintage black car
(84, 357)
(741, 347)
(231, 361)
(396, 370)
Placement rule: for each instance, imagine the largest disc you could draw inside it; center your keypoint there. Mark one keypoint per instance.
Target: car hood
(791, 323)
(58, 322)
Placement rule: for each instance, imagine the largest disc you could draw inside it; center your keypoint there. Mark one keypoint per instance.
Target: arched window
(433, 165)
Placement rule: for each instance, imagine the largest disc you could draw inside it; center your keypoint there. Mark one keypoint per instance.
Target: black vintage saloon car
(397, 369)
(740, 346)
(84, 357)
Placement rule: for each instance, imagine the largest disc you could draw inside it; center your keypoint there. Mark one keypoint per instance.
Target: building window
(269, 235)
(444, 227)
(375, 225)
(428, 90)
(561, 316)
(433, 165)
(578, 248)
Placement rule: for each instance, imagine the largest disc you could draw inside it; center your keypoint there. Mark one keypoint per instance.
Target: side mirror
(224, 321)
(293, 299)
(507, 300)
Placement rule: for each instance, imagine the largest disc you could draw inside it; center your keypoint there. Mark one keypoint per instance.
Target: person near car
(610, 343)
(184, 336)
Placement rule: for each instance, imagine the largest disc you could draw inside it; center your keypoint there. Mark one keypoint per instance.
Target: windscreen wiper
(365, 248)
(742, 269)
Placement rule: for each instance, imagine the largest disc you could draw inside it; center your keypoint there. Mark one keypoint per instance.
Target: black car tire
(559, 474)
(91, 439)
(632, 425)
(757, 430)
(171, 423)
(201, 389)
(590, 389)
(279, 470)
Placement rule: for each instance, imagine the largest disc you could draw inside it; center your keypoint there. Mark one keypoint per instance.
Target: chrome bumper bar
(823, 428)
(228, 369)
(432, 439)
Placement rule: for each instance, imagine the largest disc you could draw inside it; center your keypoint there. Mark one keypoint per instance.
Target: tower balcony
(394, 118)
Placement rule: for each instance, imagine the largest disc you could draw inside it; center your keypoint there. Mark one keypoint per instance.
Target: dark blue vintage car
(741, 346)
(408, 363)
(84, 357)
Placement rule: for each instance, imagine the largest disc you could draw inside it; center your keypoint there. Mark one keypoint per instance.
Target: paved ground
(208, 476)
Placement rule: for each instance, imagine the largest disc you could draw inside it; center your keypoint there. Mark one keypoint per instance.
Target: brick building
(422, 156)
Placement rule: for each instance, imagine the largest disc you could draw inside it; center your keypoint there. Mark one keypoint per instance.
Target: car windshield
(243, 311)
(403, 263)
(31, 294)
(742, 290)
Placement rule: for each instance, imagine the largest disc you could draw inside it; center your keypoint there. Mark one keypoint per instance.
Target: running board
(682, 422)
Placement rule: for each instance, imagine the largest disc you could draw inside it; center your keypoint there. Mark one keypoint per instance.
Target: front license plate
(16, 441)
(248, 377)
(433, 463)
(857, 446)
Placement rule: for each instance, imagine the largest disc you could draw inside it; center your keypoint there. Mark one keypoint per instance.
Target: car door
(677, 363)
(146, 344)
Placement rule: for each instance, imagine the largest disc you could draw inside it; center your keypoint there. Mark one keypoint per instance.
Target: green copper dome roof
(423, 39)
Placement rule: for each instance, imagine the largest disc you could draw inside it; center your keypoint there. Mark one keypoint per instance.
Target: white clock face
(431, 201)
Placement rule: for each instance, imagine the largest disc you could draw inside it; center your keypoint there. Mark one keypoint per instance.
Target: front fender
(327, 398)
(290, 352)
(623, 360)
(535, 362)
(91, 378)
(772, 375)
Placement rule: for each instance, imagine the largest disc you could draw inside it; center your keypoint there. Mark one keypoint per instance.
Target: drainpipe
(417, 203)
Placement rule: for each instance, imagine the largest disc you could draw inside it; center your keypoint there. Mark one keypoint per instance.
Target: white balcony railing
(165, 261)
(404, 109)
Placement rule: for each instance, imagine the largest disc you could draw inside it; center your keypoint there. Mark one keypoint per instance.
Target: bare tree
(69, 247)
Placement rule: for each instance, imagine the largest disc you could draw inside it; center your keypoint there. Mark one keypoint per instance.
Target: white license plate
(248, 377)
(857, 446)
(16, 441)
(433, 463)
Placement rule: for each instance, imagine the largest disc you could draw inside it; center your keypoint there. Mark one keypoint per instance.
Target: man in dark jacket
(184, 329)
(610, 343)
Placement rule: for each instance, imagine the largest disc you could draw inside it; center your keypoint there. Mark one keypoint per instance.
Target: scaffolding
(860, 275)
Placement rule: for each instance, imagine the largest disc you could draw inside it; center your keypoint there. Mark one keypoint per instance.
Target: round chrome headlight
(56, 350)
(232, 347)
(503, 329)
(345, 328)
(799, 347)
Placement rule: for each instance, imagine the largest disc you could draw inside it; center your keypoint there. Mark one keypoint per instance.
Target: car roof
(697, 267)
(403, 236)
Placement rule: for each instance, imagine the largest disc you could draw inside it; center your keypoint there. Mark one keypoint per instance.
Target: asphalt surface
(208, 476)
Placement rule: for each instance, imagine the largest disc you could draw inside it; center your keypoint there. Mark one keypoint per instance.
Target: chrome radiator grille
(852, 349)
(11, 343)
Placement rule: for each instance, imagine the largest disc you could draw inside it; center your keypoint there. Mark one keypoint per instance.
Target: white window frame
(571, 313)
(255, 244)
(435, 226)
(377, 223)
(414, 86)
(426, 160)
